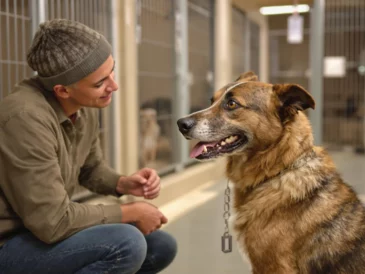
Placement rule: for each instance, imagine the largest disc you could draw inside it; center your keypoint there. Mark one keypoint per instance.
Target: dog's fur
(150, 132)
(294, 213)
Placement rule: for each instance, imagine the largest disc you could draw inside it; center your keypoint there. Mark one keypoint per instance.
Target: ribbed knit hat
(63, 52)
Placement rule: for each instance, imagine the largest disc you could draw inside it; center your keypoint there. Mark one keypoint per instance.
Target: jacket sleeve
(33, 185)
(95, 174)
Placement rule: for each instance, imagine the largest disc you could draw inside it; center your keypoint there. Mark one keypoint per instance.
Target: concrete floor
(198, 229)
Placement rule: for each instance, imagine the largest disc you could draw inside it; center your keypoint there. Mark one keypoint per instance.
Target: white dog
(150, 133)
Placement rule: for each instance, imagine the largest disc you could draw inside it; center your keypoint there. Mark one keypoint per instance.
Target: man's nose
(112, 85)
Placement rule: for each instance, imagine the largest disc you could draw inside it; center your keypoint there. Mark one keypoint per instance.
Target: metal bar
(334, 131)
(72, 10)
(345, 80)
(355, 52)
(350, 120)
(15, 15)
(247, 38)
(77, 10)
(66, 9)
(23, 40)
(12, 62)
(337, 47)
(114, 124)
(362, 47)
(328, 42)
(99, 17)
(181, 98)
(8, 48)
(46, 10)
(51, 7)
(91, 15)
(59, 9)
(82, 11)
(16, 41)
(42, 11)
(95, 14)
(1, 67)
(316, 65)
(105, 24)
(212, 48)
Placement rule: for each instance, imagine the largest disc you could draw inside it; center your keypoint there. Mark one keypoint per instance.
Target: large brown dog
(294, 213)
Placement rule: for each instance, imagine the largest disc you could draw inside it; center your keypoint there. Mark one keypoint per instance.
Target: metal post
(222, 40)
(181, 98)
(38, 14)
(247, 40)
(114, 123)
(316, 66)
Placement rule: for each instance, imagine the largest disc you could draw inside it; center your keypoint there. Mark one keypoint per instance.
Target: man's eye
(231, 105)
(99, 85)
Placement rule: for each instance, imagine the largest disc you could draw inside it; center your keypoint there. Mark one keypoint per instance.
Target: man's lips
(106, 96)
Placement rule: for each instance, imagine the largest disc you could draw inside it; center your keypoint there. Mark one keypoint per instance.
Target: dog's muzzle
(186, 124)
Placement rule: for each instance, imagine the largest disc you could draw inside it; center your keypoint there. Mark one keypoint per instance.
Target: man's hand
(145, 216)
(144, 182)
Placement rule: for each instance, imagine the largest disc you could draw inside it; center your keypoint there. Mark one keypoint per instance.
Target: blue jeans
(112, 248)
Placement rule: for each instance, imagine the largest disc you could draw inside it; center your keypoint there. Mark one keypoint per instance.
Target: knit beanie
(63, 52)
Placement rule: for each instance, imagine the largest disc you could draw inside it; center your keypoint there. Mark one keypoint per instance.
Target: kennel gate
(175, 69)
(343, 97)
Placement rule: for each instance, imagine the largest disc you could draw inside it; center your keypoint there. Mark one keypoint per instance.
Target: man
(49, 143)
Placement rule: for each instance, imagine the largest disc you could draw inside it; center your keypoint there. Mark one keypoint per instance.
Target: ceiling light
(284, 9)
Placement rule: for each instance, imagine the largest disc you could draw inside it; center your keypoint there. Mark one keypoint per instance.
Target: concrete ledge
(178, 184)
(175, 185)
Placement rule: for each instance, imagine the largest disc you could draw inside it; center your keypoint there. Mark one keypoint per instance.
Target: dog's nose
(185, 124)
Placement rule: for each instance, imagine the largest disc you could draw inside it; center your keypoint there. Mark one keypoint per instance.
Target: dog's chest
(263, 230)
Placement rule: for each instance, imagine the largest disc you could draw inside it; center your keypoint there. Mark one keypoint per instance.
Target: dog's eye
(231, 105)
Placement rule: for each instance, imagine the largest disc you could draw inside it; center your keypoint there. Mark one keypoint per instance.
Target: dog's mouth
(208, 150)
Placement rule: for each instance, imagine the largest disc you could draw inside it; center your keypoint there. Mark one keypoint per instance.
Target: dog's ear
(293, 98)
(248, 76)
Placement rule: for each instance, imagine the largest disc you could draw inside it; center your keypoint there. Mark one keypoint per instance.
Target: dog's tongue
(198, 149)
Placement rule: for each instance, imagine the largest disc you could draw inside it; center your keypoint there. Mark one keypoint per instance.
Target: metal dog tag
(226, 243)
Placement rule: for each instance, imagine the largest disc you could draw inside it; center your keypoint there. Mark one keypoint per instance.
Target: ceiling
(253, 5)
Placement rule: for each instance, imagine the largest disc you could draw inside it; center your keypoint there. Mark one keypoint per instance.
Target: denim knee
(132, 250)
(161, 251)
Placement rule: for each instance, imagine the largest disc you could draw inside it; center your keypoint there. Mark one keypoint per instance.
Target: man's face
(96, 89)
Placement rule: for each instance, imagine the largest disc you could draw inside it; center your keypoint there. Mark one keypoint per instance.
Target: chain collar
(227, 238)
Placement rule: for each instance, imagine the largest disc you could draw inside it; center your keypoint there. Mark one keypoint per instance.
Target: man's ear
(61, 91)
(293, 98)
(248, 76)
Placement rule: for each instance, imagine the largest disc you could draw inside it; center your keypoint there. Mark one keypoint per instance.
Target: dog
(294, 213)
(150, 133)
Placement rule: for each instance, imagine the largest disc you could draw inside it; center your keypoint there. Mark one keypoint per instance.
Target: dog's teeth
(223, 143)
(205, 149)
(229, 140)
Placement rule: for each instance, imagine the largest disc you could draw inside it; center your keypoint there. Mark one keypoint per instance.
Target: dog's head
(244, 116)
(148, 117)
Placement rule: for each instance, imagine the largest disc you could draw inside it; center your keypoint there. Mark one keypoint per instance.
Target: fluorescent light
(284, 9)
